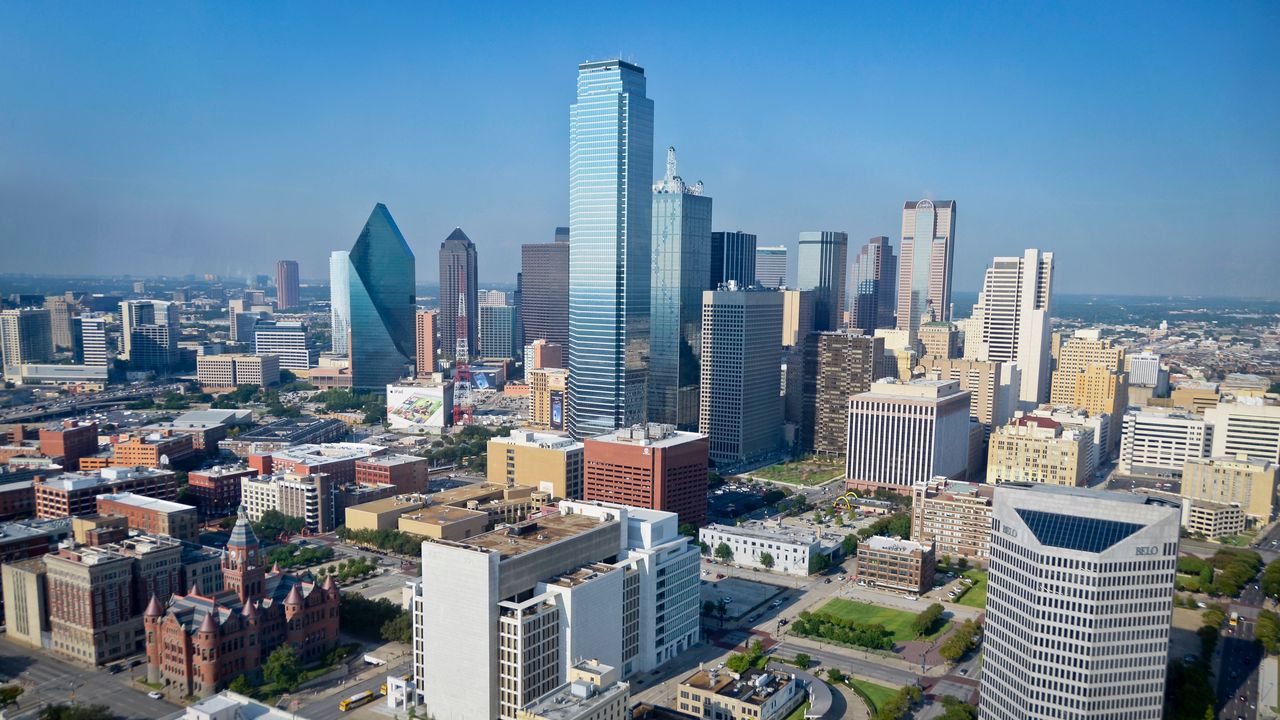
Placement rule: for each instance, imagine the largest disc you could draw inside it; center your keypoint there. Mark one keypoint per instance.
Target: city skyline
(154, 188)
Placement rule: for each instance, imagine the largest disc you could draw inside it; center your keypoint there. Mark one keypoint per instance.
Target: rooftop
(142, 501)
(23, 529)
(221, 470)
(774, 533)
(218, 417)
(575, 700)
(528, 438)
(656, 435)
(399, 502)
(460, 495)
(441, 514)
(326, 453)
(286, 429)
(922, 388)
(87, 480)
(513, 540)
(392, 460)
(753, 686)
(892, 544)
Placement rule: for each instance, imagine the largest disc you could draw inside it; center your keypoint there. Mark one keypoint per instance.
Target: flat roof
(574, 700)
(475, 491)
(142, 501)
(513, 540)
(319, 454)
(651, 435)
(530, 438)
(283, 430)
(1078, 492)
(442, 514)
(746, 688)
(763, 532)
(105, 476)
(391, 460)
(400, 502)
(892, 544)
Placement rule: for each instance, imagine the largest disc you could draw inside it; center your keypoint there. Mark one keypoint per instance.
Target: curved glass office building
(381, 301)
(610, 175)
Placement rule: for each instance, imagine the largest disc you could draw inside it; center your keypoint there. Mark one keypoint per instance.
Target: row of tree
(294, 556)
(389, 540)
(378, 619)
(842, 630)
(960, 642)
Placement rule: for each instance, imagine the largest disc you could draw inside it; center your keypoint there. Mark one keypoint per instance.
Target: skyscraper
(924, 263)
(381, 274)
(733, 257)
(837, 366)
(26, 336)
(61, 322)
(150, 331)
(875, 286)
(771, 265)
(340, 300)
(681, 262)
(425, 325)
(741, 409)
(1013, 309)
(1079, 603)
(496, 337)
(459, 296)
(93, 340)
(287, 295)
(901, 434)
(820, 266)
(544, 297)
(610, 172)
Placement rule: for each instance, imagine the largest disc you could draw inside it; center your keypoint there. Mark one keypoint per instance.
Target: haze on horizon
(189, 138)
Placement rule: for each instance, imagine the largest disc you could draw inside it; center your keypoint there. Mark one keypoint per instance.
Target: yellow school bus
(355, 701)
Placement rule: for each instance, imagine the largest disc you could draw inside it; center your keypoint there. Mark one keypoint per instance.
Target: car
(827, 581)
(136, 662)
(719, 576)
(964, 671)
(155, 695)
(728, 598)
(114, 669)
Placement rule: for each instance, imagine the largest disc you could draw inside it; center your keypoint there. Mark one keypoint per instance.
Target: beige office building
(1211, 519)
(1194, 396)
(1038, 450)
(1247, 482)
(382, 514)
(797, 316)
(725, 695)
(547, 462)
(228, 371)
(940, 340)
(26, 603)
(954, 516)
(548, 398)
(838, 366)
(444, 522)
(593, 692)
(1076, 355)
(1248, 427)
(993, 393)
(1097, 389)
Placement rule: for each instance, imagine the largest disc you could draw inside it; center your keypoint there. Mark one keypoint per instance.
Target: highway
(1238, 675)
(78, 404)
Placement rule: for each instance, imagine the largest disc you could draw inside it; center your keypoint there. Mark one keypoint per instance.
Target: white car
(155, 695)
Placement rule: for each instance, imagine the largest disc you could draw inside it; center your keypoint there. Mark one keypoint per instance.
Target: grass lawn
(895, 621)
(976, 597)
(798, 713)
(802, 472)
(878, 694)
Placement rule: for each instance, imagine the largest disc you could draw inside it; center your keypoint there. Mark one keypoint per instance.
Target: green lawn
(878, 694)
(976, 597)
(802, 472)
(798, 713)
(897, 622)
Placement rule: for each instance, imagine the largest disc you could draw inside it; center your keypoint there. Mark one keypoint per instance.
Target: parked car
(155, 695)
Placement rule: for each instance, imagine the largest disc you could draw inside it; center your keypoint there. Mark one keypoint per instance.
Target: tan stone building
(593, 692)
(443, 522)
(940, 340)
(26, 602)
(953, 516)
(797, 316)
(1212, 519)
(227, 371)
(993, 395)
(1090, 374)
(1039, 450)
(382, 514)
(726, 695)
(548, 398)
(1249, 483)
(1195, 396)
(543, 461)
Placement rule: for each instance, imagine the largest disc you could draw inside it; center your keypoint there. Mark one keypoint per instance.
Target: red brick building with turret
(198, 644)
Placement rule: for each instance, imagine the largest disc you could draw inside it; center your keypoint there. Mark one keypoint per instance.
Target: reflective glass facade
(820, 267)
(875, 285)
(340, 299)
(380, 282)
(733, 257)
(924, 273)
(610, 174)
(679, 275)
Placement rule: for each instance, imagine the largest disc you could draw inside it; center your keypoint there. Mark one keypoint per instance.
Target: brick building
(217, 489)
(898, 565)
(408, 473)
(197, 643)
(152, 516)
(17, 499)
(649, 466)
(154, 449)
(70, 441)
(337, 460)
(76, 493)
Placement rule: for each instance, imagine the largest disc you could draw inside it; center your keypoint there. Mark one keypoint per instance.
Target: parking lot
(733, 500)
(741, 596)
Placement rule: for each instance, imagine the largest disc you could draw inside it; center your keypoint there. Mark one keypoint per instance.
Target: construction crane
(463, 406)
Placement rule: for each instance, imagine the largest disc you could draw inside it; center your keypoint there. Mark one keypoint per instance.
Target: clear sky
(1139, 142)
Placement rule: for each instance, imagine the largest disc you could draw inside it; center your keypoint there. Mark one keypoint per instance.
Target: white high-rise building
(901, 434)
(771, 265)
(1248, 426)
(1012, 316)
(93, 340)
(1079, 604)
(1144, 369)
(288, 340)
(499, 618)
(1156, 441)
(340, 300)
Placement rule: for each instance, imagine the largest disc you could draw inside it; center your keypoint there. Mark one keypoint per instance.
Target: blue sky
(1139, 142)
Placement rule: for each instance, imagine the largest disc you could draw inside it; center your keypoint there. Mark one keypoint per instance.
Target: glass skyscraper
(340, 299)
(733, 257)
(924, 263)
(875, 285)
(820, 267)
(610, 174)
(382, 296)
(680, 272)
(771, 265)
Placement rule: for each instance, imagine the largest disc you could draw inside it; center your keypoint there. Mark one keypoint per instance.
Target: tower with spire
(242, 570)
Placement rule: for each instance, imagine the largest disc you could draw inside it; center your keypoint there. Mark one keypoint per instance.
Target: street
(48, 681)
(1238, 676)
(326, 707)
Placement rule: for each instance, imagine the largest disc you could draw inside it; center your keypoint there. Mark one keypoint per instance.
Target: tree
(803, 661)
(1268, 631)
(835, 675)
(818, 562)
(708, 608)
(689, 530)
(722, 609)
(766, 559)
(960, 642)
(9, 694)
(282, 667)
(724, 552)
(704, 548)
(925, 621)
(956, 709)
(849, 545)
(398, 629)
(76, 712)
(241, 685)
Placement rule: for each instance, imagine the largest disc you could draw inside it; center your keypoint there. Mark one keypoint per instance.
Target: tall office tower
(771, 265)
(610, 209)
(544, 296)
(820, 267)
(1160, 441)
(797, 316)
(993, 396)
(740, 408)
(1082, 349)
(649, 466)
(287, 295)
(733, 257)
(286, 340)
(492, 298)
(150, 330)
(382, 297)
(542, 354)
(838, 365)
(1079, 604)
(924, 263)
(1248, 427)
(678, 277)
(340, 301)
(875, 286)
(497, 332)
(547, 387)
(26, 336)
(1013, 309)
(1148, 378)
(425, 357)
(459, 295)
(901, 434)
(93, 341)
(517, 607)
(61, 323)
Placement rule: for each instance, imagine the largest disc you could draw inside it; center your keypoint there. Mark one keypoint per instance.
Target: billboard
(415, 408)
(557, 410)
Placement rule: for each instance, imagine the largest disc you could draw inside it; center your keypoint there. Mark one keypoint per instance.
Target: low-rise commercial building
(898, 565)
(382, 514)
(76, 493)
(953, 516)
(153, 449)
(752, 695)
(790, 550)
(649, 466)
(444, 522)
(408, 473)
(17, 498)
(310, 497)
(592, 692)
(337, 460)
(1040, 450)
(544, 461)
(1211, 519)
(281, 434)
(217, 489)
(152, 516)
(68, 442)
(1251, 484)
(1159, 442)
(225, 372)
